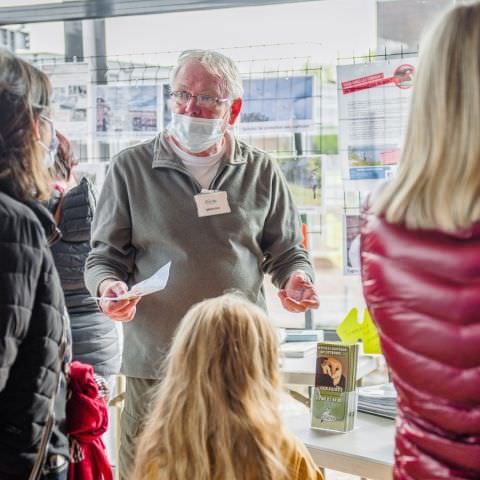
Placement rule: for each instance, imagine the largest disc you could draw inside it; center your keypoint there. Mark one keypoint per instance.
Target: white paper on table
(152, 284)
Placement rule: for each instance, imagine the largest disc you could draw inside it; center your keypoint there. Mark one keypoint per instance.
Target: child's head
(229, 343)
(216, 411)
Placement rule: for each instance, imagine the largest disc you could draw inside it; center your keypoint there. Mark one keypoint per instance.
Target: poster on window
(304, 178)
(277, 104)
(70, 98)
(373, 101)
(127, 111)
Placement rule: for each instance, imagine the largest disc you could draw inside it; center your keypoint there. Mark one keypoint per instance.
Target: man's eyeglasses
(53, 147)
(205, 101)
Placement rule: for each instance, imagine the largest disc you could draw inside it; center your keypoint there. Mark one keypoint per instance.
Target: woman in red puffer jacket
(421, 260)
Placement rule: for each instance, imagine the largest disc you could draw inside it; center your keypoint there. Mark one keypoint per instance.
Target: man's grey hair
(217, 64)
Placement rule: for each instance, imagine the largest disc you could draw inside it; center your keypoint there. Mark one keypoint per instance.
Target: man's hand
(299, 293)
(119, 310)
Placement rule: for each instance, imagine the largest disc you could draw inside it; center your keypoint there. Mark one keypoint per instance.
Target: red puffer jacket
(423, 291)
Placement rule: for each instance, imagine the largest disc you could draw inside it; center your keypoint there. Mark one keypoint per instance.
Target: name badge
(211, 203)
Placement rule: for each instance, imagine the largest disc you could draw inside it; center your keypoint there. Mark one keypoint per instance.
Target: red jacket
(87, 421)
(423, 291)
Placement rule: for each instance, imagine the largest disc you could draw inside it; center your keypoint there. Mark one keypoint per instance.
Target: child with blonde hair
(216, 413)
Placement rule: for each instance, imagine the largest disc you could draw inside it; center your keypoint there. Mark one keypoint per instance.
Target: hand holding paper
(118, 310)
(153, 284)
(299, 293)
(119, 303)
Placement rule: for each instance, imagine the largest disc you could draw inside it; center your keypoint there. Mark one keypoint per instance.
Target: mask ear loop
(227, 116)
(54, 143)
(53, 148)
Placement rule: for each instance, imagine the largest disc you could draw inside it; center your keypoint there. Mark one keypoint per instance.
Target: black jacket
(32, 326)
(95, 337)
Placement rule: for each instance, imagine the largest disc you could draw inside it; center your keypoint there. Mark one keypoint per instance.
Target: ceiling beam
(89, 9)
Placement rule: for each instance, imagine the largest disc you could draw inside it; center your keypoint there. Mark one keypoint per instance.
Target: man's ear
(235, 111)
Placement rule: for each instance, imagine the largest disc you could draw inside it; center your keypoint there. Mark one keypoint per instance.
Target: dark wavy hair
(24, 95)
(65, 160)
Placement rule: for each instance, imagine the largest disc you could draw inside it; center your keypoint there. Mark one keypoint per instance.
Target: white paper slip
(152, 284)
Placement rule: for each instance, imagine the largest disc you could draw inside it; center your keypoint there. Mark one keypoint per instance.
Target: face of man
(194, 79)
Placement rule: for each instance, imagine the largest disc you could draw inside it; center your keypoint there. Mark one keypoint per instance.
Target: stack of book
(298, 349)
(334, 398)
(304, 335)
(300, 343)
(378, 400)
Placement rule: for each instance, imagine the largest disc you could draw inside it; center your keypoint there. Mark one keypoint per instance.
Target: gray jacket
(146, 215)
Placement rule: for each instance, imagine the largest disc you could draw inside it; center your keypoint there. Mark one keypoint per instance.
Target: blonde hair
(216, 414)
(437, 185)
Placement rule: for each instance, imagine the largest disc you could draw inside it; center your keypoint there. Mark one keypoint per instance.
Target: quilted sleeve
(21, 255)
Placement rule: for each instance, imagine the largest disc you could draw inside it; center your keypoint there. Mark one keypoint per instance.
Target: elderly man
(218, 208)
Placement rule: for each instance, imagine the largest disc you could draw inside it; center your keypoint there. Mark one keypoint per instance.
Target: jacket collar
(46, 220)
(164, 156)
(41, 212)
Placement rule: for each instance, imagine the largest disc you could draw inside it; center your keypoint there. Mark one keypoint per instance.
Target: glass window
(287, 55)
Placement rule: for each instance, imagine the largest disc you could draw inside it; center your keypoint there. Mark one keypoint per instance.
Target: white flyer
(152, 284)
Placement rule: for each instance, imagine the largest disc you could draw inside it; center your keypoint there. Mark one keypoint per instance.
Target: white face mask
(196, 134)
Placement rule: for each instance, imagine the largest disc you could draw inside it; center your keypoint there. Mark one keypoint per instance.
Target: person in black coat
(95, 337)
(34, 324)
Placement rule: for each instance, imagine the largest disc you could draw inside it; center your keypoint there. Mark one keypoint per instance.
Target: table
(366, 451)
(301, 371)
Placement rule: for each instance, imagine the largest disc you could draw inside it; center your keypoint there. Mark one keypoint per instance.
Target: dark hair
(64, 160)
(24, 95)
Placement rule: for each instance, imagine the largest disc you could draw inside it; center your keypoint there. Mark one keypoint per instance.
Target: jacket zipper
(194, 181)
(217, 176)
